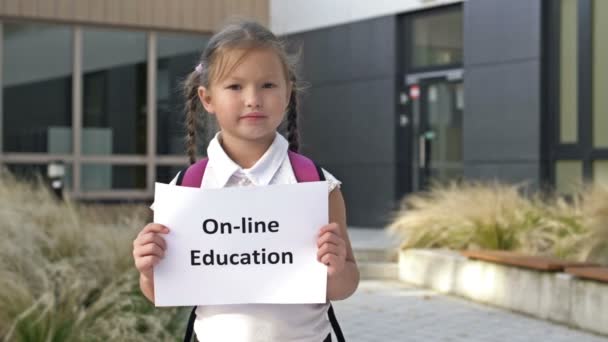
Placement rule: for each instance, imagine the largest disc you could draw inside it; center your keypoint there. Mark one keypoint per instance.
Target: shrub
(477, 215)
(66, 271)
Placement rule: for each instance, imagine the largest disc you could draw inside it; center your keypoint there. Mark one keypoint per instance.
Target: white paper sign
(277, 264)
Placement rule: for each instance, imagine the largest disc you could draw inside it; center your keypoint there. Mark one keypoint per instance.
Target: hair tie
(199, 68)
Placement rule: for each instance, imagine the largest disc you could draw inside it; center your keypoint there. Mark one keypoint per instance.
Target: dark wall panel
(347, 117)
(502, 118)
(346, 122)
(364, 188)
(498, 31)
(502, 112)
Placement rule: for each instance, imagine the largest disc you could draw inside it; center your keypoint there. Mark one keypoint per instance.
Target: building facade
(410, 93)
(95, 84)
(402, 93)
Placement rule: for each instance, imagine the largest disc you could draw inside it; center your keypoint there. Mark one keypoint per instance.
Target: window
(437, 39)
(37, 88)
(568, 176)
(100, 177)
(568, 57)
(578, 56)
(600, 172)
(165, 174)
(114, 92)
(177, 57)
(600, 74)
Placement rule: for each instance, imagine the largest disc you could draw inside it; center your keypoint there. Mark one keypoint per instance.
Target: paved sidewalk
(391, 311)
(371, 238)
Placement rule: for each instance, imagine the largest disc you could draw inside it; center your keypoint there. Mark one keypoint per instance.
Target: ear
(204, 95)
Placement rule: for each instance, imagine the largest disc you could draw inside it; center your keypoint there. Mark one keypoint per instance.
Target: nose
(253, 99)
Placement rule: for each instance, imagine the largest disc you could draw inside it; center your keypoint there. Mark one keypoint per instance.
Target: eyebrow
(234, 78)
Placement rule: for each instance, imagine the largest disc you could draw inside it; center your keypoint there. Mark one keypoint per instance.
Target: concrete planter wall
(558, 297)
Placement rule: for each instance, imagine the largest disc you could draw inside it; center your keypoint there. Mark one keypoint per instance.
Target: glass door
(439, 134)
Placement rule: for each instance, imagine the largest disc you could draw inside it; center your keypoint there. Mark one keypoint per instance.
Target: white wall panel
(293, 16)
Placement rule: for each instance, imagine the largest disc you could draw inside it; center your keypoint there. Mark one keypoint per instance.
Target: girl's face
(250, 102)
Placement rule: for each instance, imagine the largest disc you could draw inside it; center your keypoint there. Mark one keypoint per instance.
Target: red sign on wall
(414, 92)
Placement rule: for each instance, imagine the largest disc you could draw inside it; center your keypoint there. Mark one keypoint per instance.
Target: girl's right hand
(149, 247)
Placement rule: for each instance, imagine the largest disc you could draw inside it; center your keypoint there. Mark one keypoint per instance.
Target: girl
(246, 81)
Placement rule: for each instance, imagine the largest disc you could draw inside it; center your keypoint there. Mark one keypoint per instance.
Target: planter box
(554, 296)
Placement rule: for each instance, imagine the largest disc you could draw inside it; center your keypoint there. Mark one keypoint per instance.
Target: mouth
(253, 116)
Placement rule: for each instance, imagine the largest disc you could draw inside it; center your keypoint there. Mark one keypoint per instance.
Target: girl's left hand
(331, 248)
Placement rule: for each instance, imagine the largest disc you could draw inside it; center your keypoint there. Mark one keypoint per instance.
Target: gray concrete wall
(554, 296)
(502, 62)
(348, 111)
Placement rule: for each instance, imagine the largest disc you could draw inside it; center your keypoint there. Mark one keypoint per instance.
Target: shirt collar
(260, 173)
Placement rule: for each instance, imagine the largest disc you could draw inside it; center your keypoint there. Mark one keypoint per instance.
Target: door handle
(422, 150)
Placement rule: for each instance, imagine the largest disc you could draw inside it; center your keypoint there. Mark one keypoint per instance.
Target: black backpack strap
(332, 320)
(320, 171)
(335, 325)
(190, 327)
(180, 176)
(330, 313)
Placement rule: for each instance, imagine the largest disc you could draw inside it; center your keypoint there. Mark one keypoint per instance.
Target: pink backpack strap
(193, 175)
(304, 169)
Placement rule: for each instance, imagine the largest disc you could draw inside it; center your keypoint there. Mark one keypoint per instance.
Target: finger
(330, 237)
(327, 238)
(148, 238)
(152, 249)
(331, 227)
(149, 249)
(152, 238)
(154, 228)
(330, 249)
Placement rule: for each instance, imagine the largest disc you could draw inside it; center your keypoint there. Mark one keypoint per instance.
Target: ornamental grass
(66, 271)
(493, 215)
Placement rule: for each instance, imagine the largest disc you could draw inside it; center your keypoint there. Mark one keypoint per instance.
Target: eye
(234, 87)
(269, 85)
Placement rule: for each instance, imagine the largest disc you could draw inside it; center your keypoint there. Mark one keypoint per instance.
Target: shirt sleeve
(332, 182)
(172, 182)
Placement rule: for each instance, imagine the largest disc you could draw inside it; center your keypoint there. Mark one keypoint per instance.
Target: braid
(192, 103)
(292, 122)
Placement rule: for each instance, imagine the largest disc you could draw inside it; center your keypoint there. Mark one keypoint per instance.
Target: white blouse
(258, 322)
